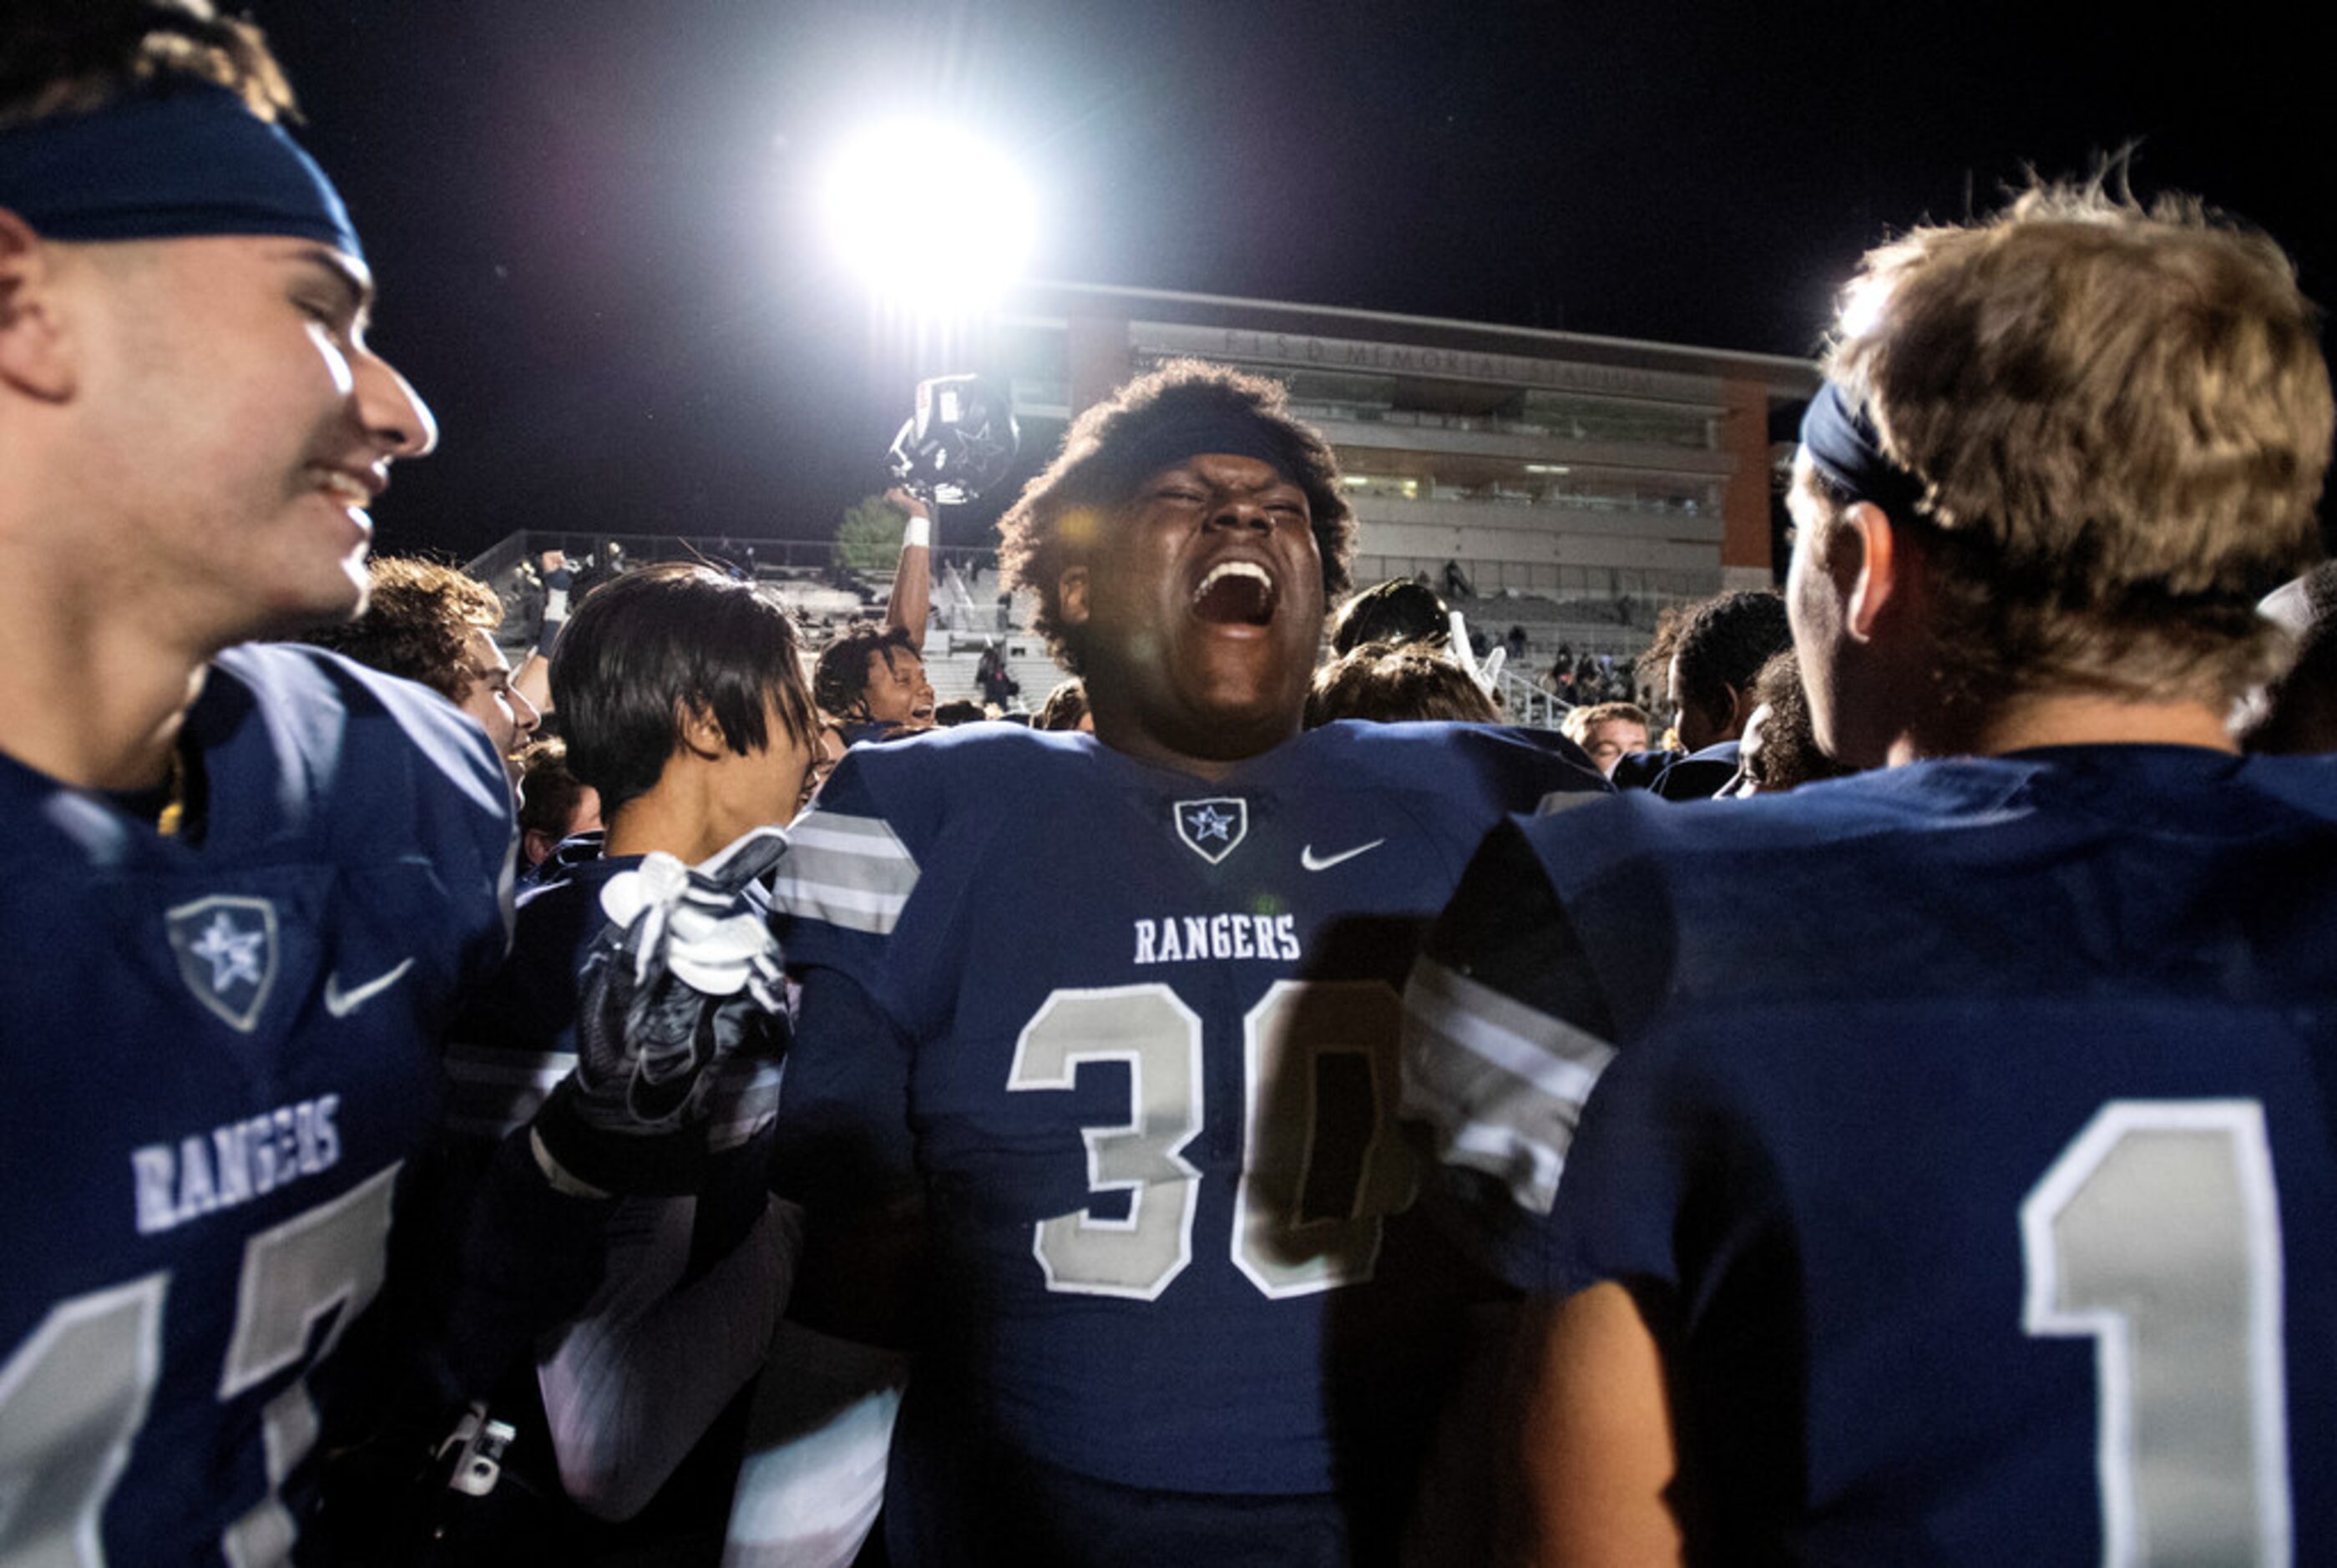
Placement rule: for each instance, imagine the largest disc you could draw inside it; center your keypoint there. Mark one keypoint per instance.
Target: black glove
(685, 973)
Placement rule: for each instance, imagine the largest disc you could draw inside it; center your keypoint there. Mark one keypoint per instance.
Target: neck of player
(87, 696)
(1208, 755)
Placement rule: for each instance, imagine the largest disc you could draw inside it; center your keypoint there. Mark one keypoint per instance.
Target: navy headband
(1844, 447)
(1236, 435)
(188, 161)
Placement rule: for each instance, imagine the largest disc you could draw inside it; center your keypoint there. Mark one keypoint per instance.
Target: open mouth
(1236, 593)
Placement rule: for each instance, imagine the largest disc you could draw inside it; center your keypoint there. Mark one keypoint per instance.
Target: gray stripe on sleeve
(1502, 1083)
(848, 871)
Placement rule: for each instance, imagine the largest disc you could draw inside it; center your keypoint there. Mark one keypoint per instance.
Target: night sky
(595, 225)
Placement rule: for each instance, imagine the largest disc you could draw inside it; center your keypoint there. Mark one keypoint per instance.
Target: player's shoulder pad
(1517, 768)
(2308, 784)
(1640, 835)
(356, 730)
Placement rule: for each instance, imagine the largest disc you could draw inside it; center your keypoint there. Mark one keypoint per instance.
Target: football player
(432, 624)
(685, 708)
(250, 883)
(1935, 1163)
(1098, 1032)
(872, 681)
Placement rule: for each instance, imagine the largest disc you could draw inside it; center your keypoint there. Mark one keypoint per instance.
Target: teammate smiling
(251, 881)
(1154, 1148)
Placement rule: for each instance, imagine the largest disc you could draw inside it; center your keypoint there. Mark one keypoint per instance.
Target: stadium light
(933, 218)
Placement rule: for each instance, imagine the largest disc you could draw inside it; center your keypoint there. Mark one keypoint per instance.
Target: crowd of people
(684, 1100)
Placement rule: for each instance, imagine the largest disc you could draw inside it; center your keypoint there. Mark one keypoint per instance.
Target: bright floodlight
(930, 217)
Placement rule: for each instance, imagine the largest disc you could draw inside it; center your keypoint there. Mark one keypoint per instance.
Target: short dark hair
(840, 682)
(71, 56)
(652, 646)
(549, 792)
(1049, 530)
(961, 711)
(417, 622)
(1397, 611)
(1722, 643)
(1387, 683)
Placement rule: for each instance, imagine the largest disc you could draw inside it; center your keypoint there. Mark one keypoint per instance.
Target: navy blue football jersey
(221, 1050)
(517, 1039)
(1970, 1123)
(1133, 1035)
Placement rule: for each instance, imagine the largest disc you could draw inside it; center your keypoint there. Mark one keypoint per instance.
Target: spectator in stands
(1607, 732)
(1723, 642)
(558, 580)
(437, 625)
(998, 686)
(1779, 748)
(872, 681)
(2298, 713)
(1066, 707)
(555, 805)
(1387, 683)
(1516, 644)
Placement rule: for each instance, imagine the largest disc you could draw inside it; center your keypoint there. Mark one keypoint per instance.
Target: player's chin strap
(1483, 674)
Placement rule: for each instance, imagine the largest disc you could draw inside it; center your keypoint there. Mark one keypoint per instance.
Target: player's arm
(1591, 1440)
(913, 579)
(845, 1153)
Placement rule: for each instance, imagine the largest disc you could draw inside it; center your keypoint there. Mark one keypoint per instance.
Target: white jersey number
(74, 1395)
(1322, 1159)
(2156, 1234)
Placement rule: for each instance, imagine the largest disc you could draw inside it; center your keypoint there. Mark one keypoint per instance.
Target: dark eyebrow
(348, 279)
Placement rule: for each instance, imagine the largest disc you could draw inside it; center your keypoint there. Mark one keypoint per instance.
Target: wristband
(918, 535)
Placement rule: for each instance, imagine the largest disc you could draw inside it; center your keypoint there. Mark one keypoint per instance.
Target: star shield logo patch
(1210, 828)
(226, 948)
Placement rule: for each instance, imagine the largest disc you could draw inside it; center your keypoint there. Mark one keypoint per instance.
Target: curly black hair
(1105, 457)
(840, 681)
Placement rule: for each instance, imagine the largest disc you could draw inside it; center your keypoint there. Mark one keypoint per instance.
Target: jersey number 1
(1322, 1159)
(2156, 1234)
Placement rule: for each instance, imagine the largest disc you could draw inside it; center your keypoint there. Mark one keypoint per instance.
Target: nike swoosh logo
(341, 1004)
(1308, 858)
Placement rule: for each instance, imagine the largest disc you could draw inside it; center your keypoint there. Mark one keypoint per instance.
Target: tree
(868, 538)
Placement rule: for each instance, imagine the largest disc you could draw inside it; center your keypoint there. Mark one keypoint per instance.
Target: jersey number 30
(1321, 1163)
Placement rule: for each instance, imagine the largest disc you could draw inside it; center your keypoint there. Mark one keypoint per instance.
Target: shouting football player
(250, 882)
(1113, 1017)
(1953, 1172)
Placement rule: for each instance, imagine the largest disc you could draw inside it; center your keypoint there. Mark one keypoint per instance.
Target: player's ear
(1873, 566)
(1071, 596)
(35, 351)
(1741, 703)
(698, 732)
